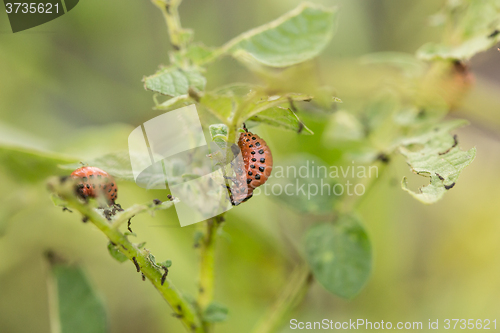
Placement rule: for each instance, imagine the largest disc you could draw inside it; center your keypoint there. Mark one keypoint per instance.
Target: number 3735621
(471, 324)
(31, 8)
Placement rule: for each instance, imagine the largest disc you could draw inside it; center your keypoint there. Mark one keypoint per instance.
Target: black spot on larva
(261, 151)
(449, 186)
(257, 176)
(248, 140)
(253, 153)
(116, 190)
(252, 166)
(91, 176)
(250, 146)
(85, 179)
(109, 190)
(105, 186)
(249, 180)
(261, 169)
(262, 160)
(257, 144)
(254, 159)
(88, 186)
(112, 184)
(253, 138)
(250, 173)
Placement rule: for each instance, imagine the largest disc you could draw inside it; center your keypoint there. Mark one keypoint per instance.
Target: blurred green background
(73, 86)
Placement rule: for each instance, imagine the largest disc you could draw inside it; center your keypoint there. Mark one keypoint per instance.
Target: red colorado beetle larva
(93, 181)
(258, 162)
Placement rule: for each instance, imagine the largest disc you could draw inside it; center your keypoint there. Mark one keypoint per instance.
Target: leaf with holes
(473, 27)
(435, 153)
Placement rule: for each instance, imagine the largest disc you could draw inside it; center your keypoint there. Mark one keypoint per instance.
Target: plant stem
(292, 294)
(182, 308)
(169, 8)
(207, 260)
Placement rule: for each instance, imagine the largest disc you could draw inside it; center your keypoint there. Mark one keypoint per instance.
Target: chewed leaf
(293, 38)
(174, 81)
(439, 158)
(465, 51)
(472, 28)
(340, 256)
(282, 118)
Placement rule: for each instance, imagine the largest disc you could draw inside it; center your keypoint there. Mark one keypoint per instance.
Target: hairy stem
(291, 295)
(140, 258)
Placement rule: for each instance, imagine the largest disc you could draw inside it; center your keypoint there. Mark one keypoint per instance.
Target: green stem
(207, 261)
(181, 307)
(350, 204)
(169, 9)
(292, 294)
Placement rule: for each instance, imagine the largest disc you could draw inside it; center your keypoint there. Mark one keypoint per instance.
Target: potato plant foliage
(407, 116)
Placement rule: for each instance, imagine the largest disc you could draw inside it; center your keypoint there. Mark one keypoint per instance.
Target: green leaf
(293, 38)
(282, 118)
(166, 263)
(435, 153)
(174, 81)
(115, 253)
(31, 165)
(116, 164)
(340, 256)
(472, 28)
(197, 53)
(305, 183)
(407, 63)
(259, 101)
(219, 132)
(221, 106)
(464, 51)
(343, 126)
(75, 303)
(174, 103)
(215, 312)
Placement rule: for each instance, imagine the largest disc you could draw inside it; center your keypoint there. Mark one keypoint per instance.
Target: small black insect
(449, 186)
(136, 264)
(164, 276)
